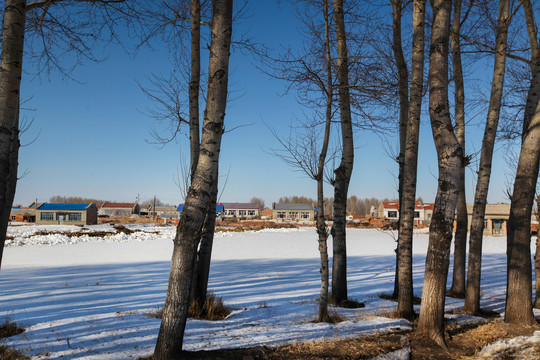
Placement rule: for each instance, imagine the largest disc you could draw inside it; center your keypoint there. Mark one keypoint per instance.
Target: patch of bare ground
(250, 226)
(464, 341)
(7, 329)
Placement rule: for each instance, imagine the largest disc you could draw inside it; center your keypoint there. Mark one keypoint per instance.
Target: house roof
(305, 207)
(65, 207)
(493, 210)
(219, 207)
(118, 205)
(240, 206)
(394, 205)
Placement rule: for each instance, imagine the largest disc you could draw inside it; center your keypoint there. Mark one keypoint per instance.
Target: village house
(422, 211)
(293, 212)
(68, 214)
(240, 210)
(266, 213)
(163, 212)
(495, 219)
(22, 214)
(219, 211)
(119, 209)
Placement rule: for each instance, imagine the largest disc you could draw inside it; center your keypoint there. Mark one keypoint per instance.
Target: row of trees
(343, 78)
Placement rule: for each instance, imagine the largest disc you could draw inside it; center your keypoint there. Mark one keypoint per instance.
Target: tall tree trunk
(405, 300)
(199, 288)
(537, 259)
(533, 96)
(472, 293)
(171, 332)
(344, 171)
(10, 84)
(460, 238)
(322, 231)
(431, 321)
(518, 285)
(194, 84)
(403, 88)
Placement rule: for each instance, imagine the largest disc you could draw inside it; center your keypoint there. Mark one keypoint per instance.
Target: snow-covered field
(84, 297)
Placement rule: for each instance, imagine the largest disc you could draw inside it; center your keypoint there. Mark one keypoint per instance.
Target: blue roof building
(67, 214)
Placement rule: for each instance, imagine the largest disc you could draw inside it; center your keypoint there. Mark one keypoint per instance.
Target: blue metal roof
(66, 207)
(219, 207)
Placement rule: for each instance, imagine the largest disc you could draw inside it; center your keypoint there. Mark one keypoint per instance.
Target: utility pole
(154, 215)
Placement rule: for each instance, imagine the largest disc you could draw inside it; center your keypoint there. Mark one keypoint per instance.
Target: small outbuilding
(293, 212)
(119, 209)
(67, 214)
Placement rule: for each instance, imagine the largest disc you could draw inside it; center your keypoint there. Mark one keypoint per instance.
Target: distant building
(163, 212)
(119, 209)
(422, 211)
(495, 219)
(240, 210)
(68, 214)
(293, 212)
(22, 214)
(219, 211)
(266, 213)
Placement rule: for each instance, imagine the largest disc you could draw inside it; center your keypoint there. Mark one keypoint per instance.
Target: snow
(85, 297)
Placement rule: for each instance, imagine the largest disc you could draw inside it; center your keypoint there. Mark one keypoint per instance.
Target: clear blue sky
(91, 136)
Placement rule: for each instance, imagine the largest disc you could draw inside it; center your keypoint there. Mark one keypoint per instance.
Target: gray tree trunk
(537, 259)
(171, 333)
(194, 84)
(405, 299)
(344, 171)
(10, 83)
(403, 88)
(472, 293)
(518, 285)
(199, 287)
(322, 231)
(460, 238)
(431, 321)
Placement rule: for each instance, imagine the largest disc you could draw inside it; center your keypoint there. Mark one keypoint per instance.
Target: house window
(293, 214)
(231, 212)
(75, 216)
(13, 217)
(304, 215)
(242, 212)
(251, 212)
(486, 224)
(281, 215)
(392, 214)
(417, 214)
(47, 216)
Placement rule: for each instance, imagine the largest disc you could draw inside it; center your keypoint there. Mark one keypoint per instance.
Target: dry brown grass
(213, 309)
(7, 353)
(9, 328)
(253, 227)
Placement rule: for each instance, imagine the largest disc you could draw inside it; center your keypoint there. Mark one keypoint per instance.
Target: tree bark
(460, 238)
(322, 231)
(518, 285)
(194, 84)
(405, 299)
(431, 321)
(10, 84)
(537, 259)
(403, 89)
(171, 333)
(533, 95)
(199, 287)
(344, 171)
(472, 293)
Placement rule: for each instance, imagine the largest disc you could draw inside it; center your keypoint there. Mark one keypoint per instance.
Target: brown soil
(463, 343)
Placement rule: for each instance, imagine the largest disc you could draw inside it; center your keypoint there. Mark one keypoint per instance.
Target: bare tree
(405, 298)
(472, 294)
(431, 321)
(460, 239)
(48, 29)
(344, 171)
(302, 150)
(200, 194)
